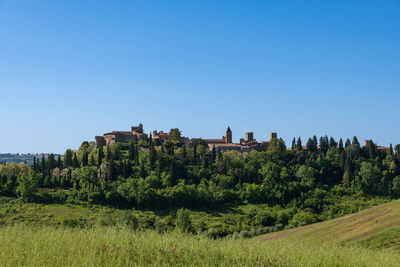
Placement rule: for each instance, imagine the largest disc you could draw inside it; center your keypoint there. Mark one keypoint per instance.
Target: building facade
(224, 144)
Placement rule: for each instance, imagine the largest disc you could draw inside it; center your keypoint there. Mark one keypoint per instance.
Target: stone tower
(228, 136)
(249, 136)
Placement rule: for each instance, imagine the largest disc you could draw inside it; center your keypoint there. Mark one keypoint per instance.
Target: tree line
(157, 175)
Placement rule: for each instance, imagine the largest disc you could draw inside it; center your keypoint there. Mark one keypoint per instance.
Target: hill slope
(375, 227)
(22, 245)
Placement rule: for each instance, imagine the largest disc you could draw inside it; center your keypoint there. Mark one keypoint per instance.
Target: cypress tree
(342, 160)
(184, 153)
(294, 143)
(348, 171)
(323, 143)
(150, 139)
(113, 170)
(299, 144)
(108, 154)
(52, 162)
(355, 141)
(397, 150)
(85, 159)
(341, 145)
(315, 141)
(348, 143)
(143, 172)
(131, 151)
(205, 162)
(100, 156)
(214, 153)
(173, 171)
(122, 168)
(75, 161)
(152, 156)
(311, 145)
(220, 157)
(128, 168)
(43, 167)
(137, 155)
(194, 154)
(34, 164)
(92, 162)
(161, 164)
(117, 153)
(371, 149)
(59, 162)
(332, 142)
(68, 158)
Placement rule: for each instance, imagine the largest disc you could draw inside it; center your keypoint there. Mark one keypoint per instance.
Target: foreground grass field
(112, 246)
(35, 235)
(377, 227)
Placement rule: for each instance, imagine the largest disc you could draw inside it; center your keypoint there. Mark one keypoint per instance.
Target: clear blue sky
(70, 70)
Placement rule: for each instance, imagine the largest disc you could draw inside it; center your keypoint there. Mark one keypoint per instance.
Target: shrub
(264, 219)
(279, 227)
(215, 232)
(95, 197)
(183, 221)
(105, 219)
(245, 234)
(303, 218)
(45, 196)
(129, 220)
(70, 223)
(28, 186)
(60, 196)
(82, 196)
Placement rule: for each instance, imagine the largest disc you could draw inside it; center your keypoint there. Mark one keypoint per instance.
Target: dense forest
(298, 185)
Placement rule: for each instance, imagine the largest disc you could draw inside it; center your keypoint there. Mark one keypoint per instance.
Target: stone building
(136, 133)
(224, 144)
(161, 136)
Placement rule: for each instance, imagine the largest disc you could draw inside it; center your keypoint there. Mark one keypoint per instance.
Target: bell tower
(228, 136)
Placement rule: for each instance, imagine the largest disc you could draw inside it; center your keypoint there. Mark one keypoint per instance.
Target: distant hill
(17, 158)
(376, 227)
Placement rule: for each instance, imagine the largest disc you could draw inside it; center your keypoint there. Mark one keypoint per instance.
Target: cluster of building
(224, 144)
(135, 134)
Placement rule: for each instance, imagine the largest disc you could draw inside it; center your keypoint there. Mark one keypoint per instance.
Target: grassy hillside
(113, 246)
(374, 228)
(243, 220)
(35, 235)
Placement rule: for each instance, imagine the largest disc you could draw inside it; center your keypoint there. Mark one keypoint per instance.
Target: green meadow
(38, 235)
(115, 246)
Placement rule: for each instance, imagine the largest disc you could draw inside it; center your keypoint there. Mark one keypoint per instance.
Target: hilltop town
(223, 144)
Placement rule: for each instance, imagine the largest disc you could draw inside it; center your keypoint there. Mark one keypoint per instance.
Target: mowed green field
(377, 227)
(113, 246)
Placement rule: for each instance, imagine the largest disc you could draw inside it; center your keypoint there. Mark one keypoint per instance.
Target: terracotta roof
(382, 148)
(228, 145)
(214, 141)
(122, 132)
(208, 141)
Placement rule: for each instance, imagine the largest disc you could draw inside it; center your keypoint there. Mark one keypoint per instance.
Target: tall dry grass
(112, 246)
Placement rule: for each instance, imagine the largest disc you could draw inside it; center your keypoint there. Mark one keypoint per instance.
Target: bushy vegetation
(256, 192)
(119, 246)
